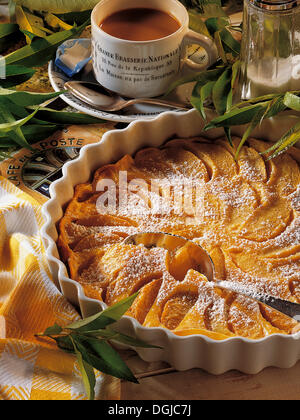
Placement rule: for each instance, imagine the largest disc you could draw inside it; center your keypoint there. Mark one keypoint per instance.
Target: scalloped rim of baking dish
(182, 352)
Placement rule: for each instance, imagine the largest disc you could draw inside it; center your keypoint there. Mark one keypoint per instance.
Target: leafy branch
(23, 116)
(89, 340)
(217, 87)
(24, 120)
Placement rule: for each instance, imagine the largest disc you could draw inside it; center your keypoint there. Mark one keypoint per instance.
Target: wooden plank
(271, 384)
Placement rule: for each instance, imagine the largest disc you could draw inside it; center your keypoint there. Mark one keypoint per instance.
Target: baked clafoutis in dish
(245, 214)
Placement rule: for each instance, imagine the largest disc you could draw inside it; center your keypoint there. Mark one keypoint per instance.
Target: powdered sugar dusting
(245, 214)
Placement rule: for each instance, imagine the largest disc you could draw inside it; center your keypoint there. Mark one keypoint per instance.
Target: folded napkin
(32, 368)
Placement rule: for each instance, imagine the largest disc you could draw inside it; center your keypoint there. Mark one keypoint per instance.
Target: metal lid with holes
(276, 5)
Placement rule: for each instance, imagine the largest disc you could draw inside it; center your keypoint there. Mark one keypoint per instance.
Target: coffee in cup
(140, 24)
(139, 45)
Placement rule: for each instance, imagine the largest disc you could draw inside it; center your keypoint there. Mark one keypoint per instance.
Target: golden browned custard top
(245, 214)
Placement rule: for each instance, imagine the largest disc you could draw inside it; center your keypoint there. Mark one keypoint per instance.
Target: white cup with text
(141, 69)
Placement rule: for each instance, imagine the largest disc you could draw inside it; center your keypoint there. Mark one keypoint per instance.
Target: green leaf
(233, 46)
(25, 99)
(254, 123)
(236, 68)
(215, 24)
(22, 112)
(13, 127)
(55, 22)
(197, 24)
(64, 343)
(54, 330)
(28, 23)
(16, 110)
(16, 75)
(110, 334)
(275, 107)
(49, 115)
(202, 78)
(7, 143)
(255, 101)
(30, 35)
(32, 133)
(7, 33)
(18, 138)
(287, 144)
(77, 18)
(133, 342)
(292, 101)
(58, 6)
(221, 91)
(212, 8)
(219, 44)
(227, 132)
(87, 373)
(286, 141)
(200, 95)
(8, 29)
(41, 50)
(200, 6)
(105, 318)
(235, 117)
(103, 357)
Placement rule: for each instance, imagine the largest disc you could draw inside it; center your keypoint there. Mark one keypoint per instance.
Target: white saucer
(137, 112)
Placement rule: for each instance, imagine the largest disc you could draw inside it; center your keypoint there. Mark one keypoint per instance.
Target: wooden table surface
(160, 382)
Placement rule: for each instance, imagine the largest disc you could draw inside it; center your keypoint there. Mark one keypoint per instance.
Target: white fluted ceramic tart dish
(247, 218)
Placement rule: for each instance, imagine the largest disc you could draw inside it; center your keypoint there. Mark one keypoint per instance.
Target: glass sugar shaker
(270, 55)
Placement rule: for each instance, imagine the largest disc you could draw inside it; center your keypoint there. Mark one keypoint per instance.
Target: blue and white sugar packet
(73, 55)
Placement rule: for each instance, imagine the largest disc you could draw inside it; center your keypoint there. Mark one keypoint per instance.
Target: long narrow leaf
(58, 6)
(221, 91)
(72, 18)
(201, 78)
(284, 140)
(105, 318)
(200, 95)
(42, 50)
(276, 106)
(133, 342)
(7, 33)
(104, 358)
(12, 127)
(16, 75)
(292, 101)
(49, 115)
(32, 133)
(219, 44)
(235, 76)
(255, 101)
(289, 142)
(110, 334)
(197, 24)
(9, 126)
(231, 44)
(87, 373)
(25, 99)
(29, 22)
(254, 123)
(235, 117)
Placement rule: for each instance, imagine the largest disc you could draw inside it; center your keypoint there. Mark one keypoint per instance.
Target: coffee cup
(144, 68)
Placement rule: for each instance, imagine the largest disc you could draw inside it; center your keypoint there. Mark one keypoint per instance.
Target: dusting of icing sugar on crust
(247, 219)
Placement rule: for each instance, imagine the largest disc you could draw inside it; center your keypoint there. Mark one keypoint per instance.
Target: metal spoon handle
(206, 267)
(153, 101)
(288, 308)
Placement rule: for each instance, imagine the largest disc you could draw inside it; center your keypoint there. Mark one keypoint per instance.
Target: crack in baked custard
(247, 218)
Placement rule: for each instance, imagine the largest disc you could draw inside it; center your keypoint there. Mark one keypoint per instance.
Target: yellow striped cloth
(31, 368)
